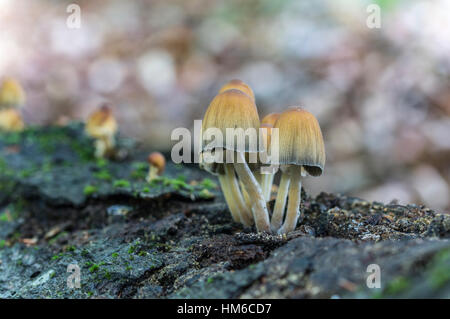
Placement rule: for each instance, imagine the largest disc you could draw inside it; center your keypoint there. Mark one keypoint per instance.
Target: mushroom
(12, 94)
(10, 120)
(235, 109)
(245, 88)
(267, 178)
(102, 126)
(157, 163)
(301, 152)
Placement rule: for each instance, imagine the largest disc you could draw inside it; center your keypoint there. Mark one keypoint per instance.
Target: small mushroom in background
(235, 109)
(102, 126)
(301, 152)
(12, 94)
(11, 120)
(266, 179)
(157, 164)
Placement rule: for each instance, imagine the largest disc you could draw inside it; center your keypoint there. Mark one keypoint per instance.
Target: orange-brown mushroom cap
(101, 123)
(11, 93)
(270, 119)
(231, 109)
(157, 160)
(301, 141)
(238, 85)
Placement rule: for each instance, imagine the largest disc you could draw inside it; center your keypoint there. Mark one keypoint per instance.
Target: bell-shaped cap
(238, 85)
(101, 123)
(157, 160)
(301, 141)
(233, 110)
(11, 94)
(270, 119)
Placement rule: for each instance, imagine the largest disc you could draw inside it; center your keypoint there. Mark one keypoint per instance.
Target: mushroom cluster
(239, 166)
(12, 97)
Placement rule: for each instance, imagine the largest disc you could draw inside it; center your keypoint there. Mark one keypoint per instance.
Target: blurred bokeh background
(382, 96)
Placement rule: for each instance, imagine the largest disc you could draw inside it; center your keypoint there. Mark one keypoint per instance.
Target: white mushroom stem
(110, 142)
(245, 195)
(280, 202)
(293, 209)
(229, 198)
(152, 173)
(259, 208)
(266, 185)
(104, 145)
(236, 196)
(100, 148)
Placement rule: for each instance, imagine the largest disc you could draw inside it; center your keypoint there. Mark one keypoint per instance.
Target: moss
(139, 170)
(101, 162)
(90, 189)
(106, 274)
(439, 274)
(26, 173)
(2, 243)
(210, 280)
(57, 256)
(121, 183)
(208, 183)
(177, 183)
(103, 175)
(94, 268)
(114, 255)
(11, 138)
(146, 190)
(396, 286)
(5, 217)
(71, 248)
(131, 249)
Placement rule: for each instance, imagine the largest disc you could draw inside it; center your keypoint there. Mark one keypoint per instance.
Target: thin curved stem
(259, 208)
(245, 195)
(229, 198)
(280, 203)
(293, 209)
(266, 185)
(236, 195)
